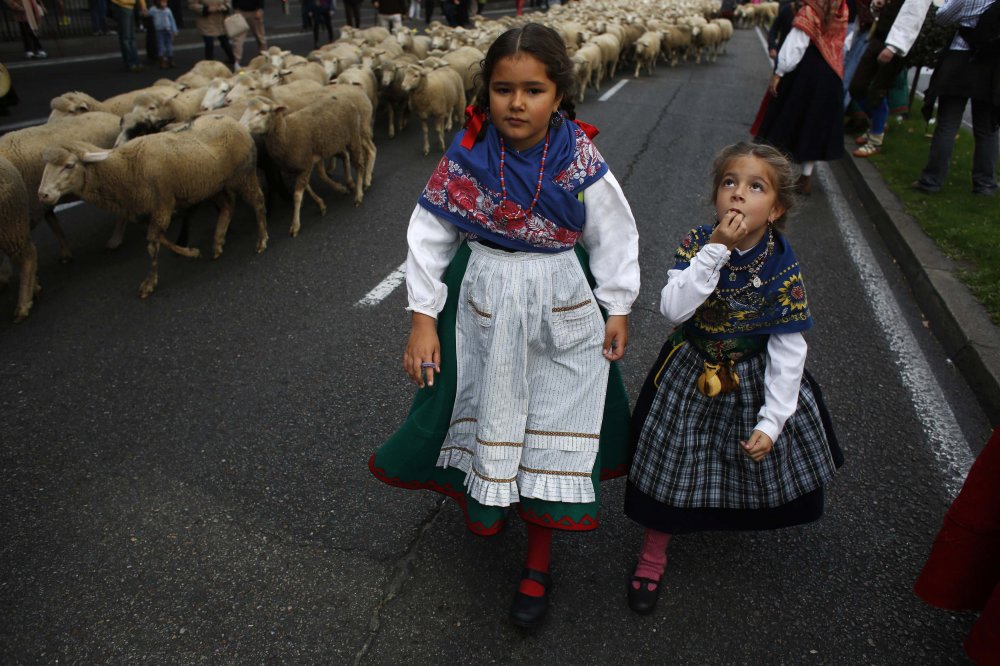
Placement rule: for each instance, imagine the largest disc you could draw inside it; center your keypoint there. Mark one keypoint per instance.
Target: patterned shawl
(735, 309)
(465, 189)
(825, 21)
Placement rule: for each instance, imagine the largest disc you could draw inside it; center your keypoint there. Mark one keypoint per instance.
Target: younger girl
(519, 412)
(728, 434)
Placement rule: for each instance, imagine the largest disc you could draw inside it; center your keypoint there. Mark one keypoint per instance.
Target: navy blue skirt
(805, 120)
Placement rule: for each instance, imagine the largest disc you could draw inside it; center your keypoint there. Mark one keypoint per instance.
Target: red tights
(538, 557)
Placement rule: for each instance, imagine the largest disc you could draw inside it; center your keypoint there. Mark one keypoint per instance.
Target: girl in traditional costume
(507, 343)
(802, 112)
(728, 432)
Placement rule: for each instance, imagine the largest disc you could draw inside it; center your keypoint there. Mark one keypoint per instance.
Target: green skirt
(407, 459)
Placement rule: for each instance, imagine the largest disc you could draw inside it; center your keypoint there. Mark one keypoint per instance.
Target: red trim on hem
(445, 489)
(586, 524)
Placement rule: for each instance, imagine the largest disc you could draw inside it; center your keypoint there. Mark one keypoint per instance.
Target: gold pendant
(709, 383)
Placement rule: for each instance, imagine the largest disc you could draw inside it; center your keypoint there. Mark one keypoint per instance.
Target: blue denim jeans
(126, 35)
(165, 43)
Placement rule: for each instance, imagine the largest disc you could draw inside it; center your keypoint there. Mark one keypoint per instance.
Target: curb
(957, 319)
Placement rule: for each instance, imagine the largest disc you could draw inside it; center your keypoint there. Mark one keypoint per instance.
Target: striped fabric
(531, 379)
(689, 453)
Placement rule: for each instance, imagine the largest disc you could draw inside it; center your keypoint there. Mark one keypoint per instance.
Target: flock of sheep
(133, 154)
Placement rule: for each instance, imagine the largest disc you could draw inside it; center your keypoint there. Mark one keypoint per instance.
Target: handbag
(236, 25)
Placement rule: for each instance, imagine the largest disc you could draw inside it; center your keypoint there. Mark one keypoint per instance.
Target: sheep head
(71, 104)
(413, 78)
(149, 115)
(259, 115)
(64, 169)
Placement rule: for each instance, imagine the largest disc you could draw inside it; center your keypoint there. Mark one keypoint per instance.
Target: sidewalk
(957, 319)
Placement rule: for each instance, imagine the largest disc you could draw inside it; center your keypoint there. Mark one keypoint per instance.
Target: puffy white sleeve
(612, 240)
(786, 361)
(688, 288)
(906, 27)
(792, 50)
(433, 243)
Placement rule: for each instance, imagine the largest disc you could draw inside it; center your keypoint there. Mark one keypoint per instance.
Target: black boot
(528, 612)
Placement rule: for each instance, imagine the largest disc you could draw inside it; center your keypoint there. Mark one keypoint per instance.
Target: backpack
(984, 39)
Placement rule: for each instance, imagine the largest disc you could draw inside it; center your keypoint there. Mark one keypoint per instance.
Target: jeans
(987, 146)
(165, 43)
(126, 35)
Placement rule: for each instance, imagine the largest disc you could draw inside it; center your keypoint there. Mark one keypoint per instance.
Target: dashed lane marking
(615, 88)
(384, 288)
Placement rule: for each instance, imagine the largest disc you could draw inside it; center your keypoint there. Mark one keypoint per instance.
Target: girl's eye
(535, 91)
(757, 187)
(501, 90)
(728, 182)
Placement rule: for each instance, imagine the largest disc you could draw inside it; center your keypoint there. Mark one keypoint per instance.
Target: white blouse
(786, 352)
(609, 236)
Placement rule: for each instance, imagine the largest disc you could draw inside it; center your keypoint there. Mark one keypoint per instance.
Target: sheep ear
(100, 156)
(279, 108)
(284, 72)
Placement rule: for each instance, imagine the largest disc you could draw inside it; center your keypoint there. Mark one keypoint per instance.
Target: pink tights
(652, 557)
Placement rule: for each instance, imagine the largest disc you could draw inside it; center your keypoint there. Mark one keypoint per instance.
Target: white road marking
(763, 41)
(384, 288)
(618, 86)
(929, 402)
(66, 206)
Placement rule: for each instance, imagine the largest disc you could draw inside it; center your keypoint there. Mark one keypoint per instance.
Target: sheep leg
(118, 235)
(158, 222)
(359, 192)
(370, 152)
(251, 193)
(439, 126)
(390, 111)
(6, 270)
(225, 201)
(423, 126)
(28, 262)
(65, 255)
(337, 187)
(347, 170)
(317, 198)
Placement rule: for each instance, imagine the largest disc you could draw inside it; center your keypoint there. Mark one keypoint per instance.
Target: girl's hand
(615, 337)
(758, 446)
(422, 347)
(730, 230)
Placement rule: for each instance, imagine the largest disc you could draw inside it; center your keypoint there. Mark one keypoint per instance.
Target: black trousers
(987, 143)
(352, 9)
(227, 48)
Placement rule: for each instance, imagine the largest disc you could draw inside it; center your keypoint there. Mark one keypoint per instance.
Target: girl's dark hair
(542, 43)
(782, 173)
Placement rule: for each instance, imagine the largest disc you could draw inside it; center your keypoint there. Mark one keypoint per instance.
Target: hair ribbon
(475, 118)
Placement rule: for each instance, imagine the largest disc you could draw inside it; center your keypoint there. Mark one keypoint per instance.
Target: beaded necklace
(754, 266)
(503, 184)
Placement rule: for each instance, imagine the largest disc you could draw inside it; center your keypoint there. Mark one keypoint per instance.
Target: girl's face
(748, 188)
(522, 100)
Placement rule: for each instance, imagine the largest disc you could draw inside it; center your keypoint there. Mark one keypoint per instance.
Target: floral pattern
(587, 162)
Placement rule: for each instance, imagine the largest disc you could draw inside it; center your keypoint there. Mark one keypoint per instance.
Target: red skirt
(963, 569)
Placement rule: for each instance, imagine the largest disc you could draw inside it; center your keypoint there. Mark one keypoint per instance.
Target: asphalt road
(184, 478)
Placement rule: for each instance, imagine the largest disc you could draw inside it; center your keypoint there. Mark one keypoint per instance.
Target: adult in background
(801, 114)
(211, 24)
(964, 74)
(390, 14)
(781, 26)
(896, 28)
(28, 14)
(98, 17)
(352, 13)
(319, 15)
(253, 12)
(123, 12)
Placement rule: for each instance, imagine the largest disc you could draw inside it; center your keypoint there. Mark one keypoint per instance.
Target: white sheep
(647, 50)
(300, 141)
(76, 102)
(466, 60)
(434, 93)
(150, 113)
(25, 147)
(203, 72)
(15, 236)
(211, 157)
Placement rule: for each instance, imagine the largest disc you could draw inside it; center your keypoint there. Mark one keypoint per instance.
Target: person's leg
(95, 17)
(984, 157)
(228, 50)
(256, 24)
(126, 35)
(949, 118)
(237, 45)
(328, 23)
(162, 46)
(878, 115)
(209, 47)
(29, 45)
(428, 11)
(644, 584)
(314, 19)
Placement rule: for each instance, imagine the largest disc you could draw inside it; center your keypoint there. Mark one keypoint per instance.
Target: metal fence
(72, 18)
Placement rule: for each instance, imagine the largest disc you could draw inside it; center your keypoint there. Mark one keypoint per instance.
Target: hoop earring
(556, 120)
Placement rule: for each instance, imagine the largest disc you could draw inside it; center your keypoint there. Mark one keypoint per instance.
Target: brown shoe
(804, 185)
(163, 63)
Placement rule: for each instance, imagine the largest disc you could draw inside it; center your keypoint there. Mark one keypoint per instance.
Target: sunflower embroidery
(792, 293)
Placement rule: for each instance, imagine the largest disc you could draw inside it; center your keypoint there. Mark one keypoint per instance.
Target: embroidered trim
(468, 419)
(486, 478)
(458, 448)
(567, 308)
(485, 443)
(549, 471)
(479, 312)
(554, 433)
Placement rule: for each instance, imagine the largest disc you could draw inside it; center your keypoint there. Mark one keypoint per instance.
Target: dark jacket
(393, 6)
(248, 5)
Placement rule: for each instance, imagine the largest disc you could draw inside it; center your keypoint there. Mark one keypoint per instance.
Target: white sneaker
(41, 54)
(29, 54)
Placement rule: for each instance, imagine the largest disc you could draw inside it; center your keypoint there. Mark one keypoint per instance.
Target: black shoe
(643, 600)
(921, 186)
(983, 192)
(528, 612)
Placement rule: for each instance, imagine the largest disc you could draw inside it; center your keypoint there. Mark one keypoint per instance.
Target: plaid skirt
(688, 453)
